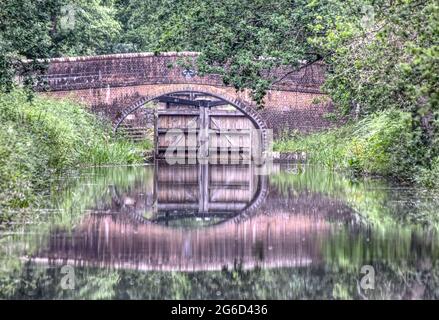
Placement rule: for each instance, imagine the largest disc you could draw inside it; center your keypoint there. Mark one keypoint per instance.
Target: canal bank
(40, 138)
(385, 144)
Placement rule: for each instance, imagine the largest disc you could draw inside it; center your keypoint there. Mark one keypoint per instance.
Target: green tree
(238, 39)
(86, 28)
(24, 33)
(50, 28)
(384, 55)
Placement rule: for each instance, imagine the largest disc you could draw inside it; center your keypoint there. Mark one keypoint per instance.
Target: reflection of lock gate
(221, 192)
(206, 190)
(196, 126)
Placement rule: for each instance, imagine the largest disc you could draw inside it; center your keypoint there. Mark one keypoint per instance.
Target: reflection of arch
(165, 207)
(261, 241)
(249, 111)
(257, 202)
(283, 230)
(281, 234)
(250, 209)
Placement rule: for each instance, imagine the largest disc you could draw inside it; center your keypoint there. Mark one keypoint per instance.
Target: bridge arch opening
(194, 124)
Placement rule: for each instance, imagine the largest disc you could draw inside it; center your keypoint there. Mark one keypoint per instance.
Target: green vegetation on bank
(40, 137)
(381, 57)
(381, 144)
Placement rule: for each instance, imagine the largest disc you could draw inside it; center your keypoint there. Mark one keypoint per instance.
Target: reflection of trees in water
(394, 281)
(309, 206)
(382, 203)
(292, 227)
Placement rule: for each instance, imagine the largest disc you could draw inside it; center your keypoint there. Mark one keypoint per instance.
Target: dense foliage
(384, 143)
(238, 39)
(370, 45)
(388, 59)
(49, 28)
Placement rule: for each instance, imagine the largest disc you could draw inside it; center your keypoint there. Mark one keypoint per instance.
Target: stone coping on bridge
(119, 56)
(128, 55)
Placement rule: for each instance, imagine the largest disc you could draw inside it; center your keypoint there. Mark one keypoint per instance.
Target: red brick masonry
(112, 85)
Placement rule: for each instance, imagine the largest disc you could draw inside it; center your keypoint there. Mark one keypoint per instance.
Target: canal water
(224, 232)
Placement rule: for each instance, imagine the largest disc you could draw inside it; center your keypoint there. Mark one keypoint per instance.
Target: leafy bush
(381, 143)
(429, 176)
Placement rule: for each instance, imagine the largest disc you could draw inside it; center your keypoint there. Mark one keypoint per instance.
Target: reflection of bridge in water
(194, 218)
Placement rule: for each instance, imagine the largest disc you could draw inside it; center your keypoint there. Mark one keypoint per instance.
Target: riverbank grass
(40, 137)
(382, 144)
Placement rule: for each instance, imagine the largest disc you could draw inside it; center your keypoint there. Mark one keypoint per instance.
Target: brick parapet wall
(146, 68)
(112, 84)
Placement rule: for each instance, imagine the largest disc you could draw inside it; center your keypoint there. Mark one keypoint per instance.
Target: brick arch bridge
(115, 85)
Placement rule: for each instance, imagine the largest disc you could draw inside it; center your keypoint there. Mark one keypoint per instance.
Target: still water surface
(217, 232)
